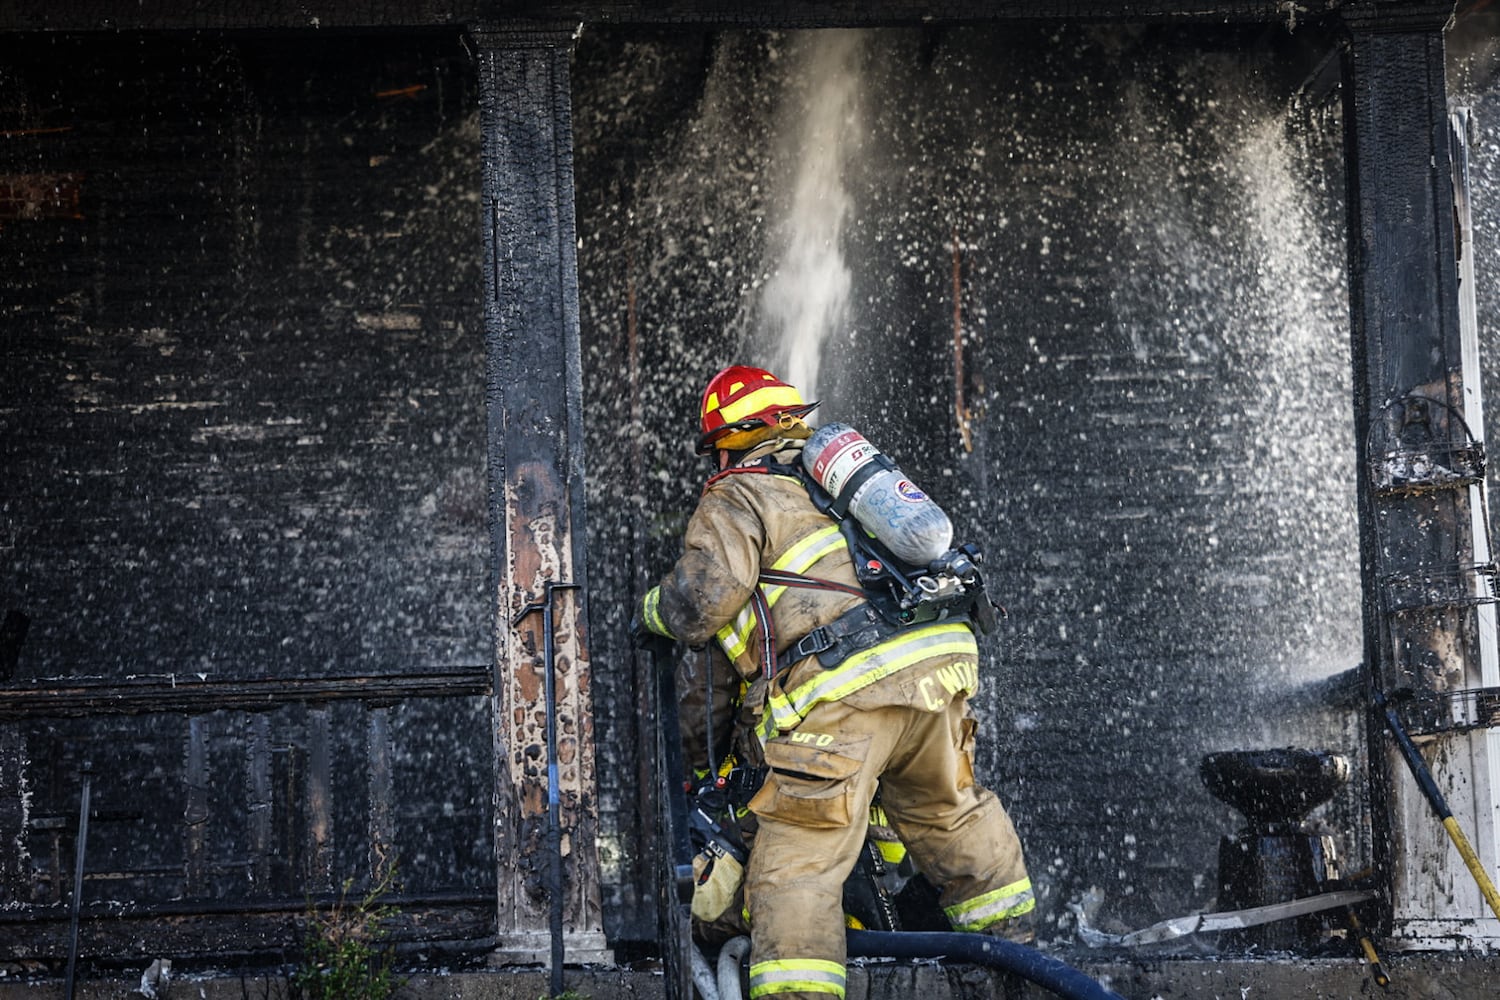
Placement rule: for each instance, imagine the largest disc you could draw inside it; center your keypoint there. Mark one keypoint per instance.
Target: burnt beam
(183, 15)
(217, 930)
(191, 694)
(534, 401)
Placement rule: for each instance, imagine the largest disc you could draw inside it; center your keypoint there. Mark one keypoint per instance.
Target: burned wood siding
(242, 432)
(242, 407)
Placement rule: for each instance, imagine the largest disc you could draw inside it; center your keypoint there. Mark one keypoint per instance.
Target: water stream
(806, 300)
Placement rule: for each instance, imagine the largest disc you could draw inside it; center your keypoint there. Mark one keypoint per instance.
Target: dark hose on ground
(1028, 963)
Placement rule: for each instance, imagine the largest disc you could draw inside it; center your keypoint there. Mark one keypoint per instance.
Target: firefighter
(892, 713)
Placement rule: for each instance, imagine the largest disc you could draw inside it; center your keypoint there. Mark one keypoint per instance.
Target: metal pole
(554, 819)
(708, 712)
(79, 847)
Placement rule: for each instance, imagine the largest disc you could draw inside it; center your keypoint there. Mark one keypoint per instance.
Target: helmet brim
(707, 443)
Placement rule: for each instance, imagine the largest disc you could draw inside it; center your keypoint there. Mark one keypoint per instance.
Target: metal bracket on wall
(1421, 448)
(1420, 454)
(1432, 713)
(1464, 587)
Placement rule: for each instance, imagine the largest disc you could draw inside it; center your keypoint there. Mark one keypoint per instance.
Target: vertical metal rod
(554, 818)
(639, 726)
(79, 847)
(675, 871)
(708, 712)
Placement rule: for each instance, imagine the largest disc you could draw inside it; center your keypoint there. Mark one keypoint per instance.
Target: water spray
(807, 297)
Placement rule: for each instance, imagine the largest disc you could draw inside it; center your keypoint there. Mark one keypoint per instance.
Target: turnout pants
(813, 812)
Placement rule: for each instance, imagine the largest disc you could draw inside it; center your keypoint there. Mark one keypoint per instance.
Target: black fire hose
(981, 949)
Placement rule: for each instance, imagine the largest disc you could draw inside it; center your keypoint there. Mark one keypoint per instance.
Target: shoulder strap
(786, 578)
(737, 470)
(764, 466)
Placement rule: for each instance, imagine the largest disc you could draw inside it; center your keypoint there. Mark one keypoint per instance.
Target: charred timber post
(534, 400)
(1416, 457)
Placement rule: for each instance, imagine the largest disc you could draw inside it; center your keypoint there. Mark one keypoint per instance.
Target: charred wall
(242, 429)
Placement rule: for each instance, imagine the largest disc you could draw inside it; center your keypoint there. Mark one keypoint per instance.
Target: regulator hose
(981, 949)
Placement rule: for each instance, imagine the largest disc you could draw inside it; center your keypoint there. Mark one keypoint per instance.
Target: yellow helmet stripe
(771, 397)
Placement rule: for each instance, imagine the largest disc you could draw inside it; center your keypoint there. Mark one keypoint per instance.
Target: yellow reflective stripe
(734, 638)
(808, 550)
(651, 611)
(891, 850)
(802, 556)
(796, 975)
(1004, 903)
(865, 668)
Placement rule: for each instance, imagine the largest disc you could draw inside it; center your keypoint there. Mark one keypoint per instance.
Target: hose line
(981, 949)
(1028, 963)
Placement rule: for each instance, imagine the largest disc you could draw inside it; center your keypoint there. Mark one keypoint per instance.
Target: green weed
(345, 952)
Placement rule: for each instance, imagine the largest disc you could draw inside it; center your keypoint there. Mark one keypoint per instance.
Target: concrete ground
(1414, 976)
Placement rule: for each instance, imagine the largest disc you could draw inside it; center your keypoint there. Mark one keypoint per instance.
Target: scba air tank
(877, 494)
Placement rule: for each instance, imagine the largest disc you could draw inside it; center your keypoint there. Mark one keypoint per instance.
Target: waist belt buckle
(815, 642)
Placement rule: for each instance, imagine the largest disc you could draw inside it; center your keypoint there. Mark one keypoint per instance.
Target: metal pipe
(708, 711)
(554, 818)
(79, 847)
